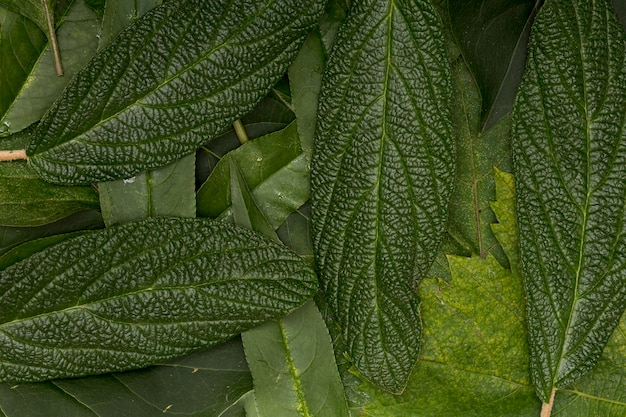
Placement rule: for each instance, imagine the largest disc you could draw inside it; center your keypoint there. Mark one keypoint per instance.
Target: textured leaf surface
(173, 80)
(119, 14)
(77, 37)
(274, 168)
(382, 174)
(32, 9)
(300, 377)
(195, 283)
(569, 155)
(26, 200)
(204, 384)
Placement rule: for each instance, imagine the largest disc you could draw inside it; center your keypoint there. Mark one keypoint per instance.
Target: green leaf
(119, 14)
(204, 384)
(382, 175)
(296, 234)
(273, 167)
(77, 35)
(174, 79)
(293, 367)
(26, 200)
(164, 192)
(195, 283)
(569, 156)
(493, 37)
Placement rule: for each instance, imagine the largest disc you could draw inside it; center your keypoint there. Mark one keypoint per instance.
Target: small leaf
(195, 283)
(569, 155)
(293, 367)
(177, 77)
(382, 175)
(26, 200)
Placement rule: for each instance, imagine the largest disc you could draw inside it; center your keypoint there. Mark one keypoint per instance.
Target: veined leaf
(195, 283)
(382, 174)
(293, 367)
(174, 79)
(569, 155)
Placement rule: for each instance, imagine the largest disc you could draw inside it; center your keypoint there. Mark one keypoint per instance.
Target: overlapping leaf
(382, 175)
(177, 77)
(132, 295)
(569, 153)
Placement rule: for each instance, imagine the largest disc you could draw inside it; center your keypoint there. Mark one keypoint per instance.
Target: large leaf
(205, 384)
(177, 77)
(382, 175)
(77, 34)
(195, 283)
(293, 367)
(569, 153)
(493, 37)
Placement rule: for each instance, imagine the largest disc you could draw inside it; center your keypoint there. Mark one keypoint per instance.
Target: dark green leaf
(382, 175)
(177, 77)
(493, 36)
(569, 151)
(32, 9)
(119, 14)
(293, 367)
(26, 200)
(135, 294)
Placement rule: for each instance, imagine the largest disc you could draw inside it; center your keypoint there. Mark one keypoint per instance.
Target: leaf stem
(13, 155)
(52, 37)
(546, 408)
(240, 130)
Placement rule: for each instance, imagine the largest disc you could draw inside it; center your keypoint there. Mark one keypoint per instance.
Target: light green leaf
(77, 35)
(164, 192)
(293, 367)
(195, 283)
(173, 80)
(296, 234)
(119, 14)
(569, 154)
(204, 384)
(26, 200)
(382, 175)
(273, 167)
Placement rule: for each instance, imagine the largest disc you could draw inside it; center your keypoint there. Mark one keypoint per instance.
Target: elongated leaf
(119, 14)
(203, 384)
(275, 169)
(177, 77)
(301, 378)
(26, 200)
(382, 175)
(77, 35)
(195, 283)
(569, 154)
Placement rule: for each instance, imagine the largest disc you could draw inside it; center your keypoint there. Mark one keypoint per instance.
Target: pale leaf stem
(13, 155)
(52, 37)
(240, 130)
(546, 408)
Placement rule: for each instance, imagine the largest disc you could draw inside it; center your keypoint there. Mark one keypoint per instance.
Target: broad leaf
(204, 384)
(493, 37)
(174, 79)
(293, 367)
(569, 154)
(382, 175)
(119, 14)
(273, 167)
(77, 34)
(195, 283)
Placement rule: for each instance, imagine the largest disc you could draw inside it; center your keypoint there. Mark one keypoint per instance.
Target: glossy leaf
(273, 167)
(147, 99)
(195, 283)
(569, 155)
(77, 35)
(26, 200)
(293, 367)
(493, 37)
(204, 384)
(382, 175)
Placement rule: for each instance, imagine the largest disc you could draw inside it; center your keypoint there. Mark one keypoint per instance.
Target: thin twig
(52, 37)
(240, 130)
(546, 408)
(13, 155)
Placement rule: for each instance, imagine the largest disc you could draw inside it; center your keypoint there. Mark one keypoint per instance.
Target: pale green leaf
(569, 155)
(174, 79)
(381, 178)
(293, 367)
(195, 283)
